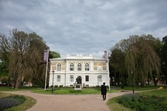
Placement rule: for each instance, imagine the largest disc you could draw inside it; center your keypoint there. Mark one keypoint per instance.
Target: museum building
(85, 70)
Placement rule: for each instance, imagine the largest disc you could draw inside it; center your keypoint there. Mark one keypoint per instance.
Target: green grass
(62, 90)
(72, 91)
(28, 103)
(12, 89)
(139, 89)
(114, 106)
(156, 92)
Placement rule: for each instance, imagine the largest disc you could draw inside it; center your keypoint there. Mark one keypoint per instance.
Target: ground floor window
(71, 78)
(58, 78)
(87, 78)
(99, 78)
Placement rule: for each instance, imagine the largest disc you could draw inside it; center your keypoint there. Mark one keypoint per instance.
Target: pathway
(69, 102)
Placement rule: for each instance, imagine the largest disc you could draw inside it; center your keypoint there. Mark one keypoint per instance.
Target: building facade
(79, 69)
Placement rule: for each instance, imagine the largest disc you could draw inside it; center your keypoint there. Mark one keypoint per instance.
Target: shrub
(143, 103)
(11, 101)
(61, 86)
(56, 86)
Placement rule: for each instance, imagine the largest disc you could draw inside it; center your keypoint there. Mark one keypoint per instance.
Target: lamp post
(132, 81)
(53, 82)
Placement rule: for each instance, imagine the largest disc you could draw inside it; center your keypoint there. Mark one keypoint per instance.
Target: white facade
(89, 71)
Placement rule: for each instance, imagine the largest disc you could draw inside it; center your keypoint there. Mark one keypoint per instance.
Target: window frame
(99, 78)
(86, 67)
(87, 78)
(71, 67)
(71, 78)
(58, 67)
(58, 78)
(79, 67)
(99, 67)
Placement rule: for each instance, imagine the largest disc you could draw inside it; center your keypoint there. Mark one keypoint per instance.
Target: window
(59, 67)
(71, 78)
(99, 78)
(58, 78)
(87, 78)
(99, 67)
(86, 67)
(71, 67)
(79, 67)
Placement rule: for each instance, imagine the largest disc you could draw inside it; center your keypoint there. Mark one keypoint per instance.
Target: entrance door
(79, 80)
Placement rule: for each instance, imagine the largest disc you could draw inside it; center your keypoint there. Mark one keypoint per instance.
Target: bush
(56, 86)
(143, 103)
(11, 101)
(61, 86)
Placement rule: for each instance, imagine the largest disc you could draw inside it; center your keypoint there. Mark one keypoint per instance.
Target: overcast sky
(84, 26)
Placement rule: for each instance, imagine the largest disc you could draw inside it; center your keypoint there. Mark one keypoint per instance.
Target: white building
(84, 70)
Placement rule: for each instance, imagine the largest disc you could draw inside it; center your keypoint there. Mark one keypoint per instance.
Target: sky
(84, 26)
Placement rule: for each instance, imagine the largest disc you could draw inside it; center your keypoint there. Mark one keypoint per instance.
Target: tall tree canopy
(23, 54)
(54, 54)
(117, 64)
(140, 57)
(164, 57)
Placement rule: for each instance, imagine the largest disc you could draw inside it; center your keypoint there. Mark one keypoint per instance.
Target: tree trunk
(155, 80)
(17, 82)
(9, 81)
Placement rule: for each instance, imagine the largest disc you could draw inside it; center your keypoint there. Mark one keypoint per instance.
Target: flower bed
(11, 101)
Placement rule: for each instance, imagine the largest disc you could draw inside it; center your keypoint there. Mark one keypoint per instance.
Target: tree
(117, 62)
(4, 56)
(141, 59)
(54, 54)
(164, 57)
(23, 53)
(35, 64)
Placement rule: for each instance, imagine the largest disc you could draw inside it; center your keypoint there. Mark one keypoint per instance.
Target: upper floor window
(71, 67)
(79, 67)
(99, 67)
(59, 67)
(86, 67)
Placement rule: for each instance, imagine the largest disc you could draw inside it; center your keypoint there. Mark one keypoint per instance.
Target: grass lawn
(71, 90)
(28, 103)
(114, 106)
(139, 89)
(62, 90)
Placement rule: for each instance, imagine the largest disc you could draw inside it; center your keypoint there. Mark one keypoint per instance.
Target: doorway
(79, 80)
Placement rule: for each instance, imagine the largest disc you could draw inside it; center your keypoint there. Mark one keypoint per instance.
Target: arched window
(99, 78)
(86, 67)
(99, 67)
(71, 67)
(79, 67)
(58, 67)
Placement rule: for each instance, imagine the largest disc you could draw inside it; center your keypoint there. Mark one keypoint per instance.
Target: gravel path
(69, 102)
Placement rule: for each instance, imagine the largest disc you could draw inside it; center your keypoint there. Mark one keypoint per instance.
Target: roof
(78, 57)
